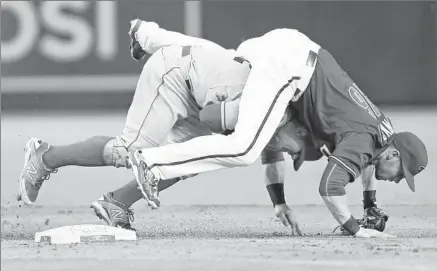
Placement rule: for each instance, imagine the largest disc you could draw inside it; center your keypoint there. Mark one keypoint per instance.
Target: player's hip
(174, 81)
(217, 78)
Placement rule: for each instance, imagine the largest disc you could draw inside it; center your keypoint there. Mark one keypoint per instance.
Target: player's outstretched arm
(151, 38)
(274, 172)
(374, 217)
(368, 178)
(369, 186)
(332, 190)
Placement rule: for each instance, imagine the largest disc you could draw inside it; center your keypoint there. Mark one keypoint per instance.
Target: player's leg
(154, 110)
(121, 201)
(263, 102)
(149, 121)
(123, 198)
(152, 114)
(183, 130)
(148, 37)
(41, 160)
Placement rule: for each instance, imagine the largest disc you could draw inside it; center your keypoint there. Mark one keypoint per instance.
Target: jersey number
(385, 127)
(385, 130)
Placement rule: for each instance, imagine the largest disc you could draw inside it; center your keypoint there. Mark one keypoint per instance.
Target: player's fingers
(295, 228)
(298, 230)
(284, 220)
(292, 224)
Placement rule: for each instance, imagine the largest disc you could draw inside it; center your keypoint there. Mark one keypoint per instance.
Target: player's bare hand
(369, 233)
(288, 218)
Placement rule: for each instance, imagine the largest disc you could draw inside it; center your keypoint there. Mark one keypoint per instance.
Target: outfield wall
(389, 48)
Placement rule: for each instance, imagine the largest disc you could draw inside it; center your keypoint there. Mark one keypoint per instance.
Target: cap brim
(409, 177)
(297, 163)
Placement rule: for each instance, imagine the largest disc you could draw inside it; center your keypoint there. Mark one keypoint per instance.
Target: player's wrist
(369, 199)
(276, 193)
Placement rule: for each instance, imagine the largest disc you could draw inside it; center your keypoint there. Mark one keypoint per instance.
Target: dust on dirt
(221, 238)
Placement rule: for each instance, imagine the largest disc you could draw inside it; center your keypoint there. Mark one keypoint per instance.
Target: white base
(85, 233)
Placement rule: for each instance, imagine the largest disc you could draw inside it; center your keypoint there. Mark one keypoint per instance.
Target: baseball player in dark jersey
(336, 113)
(357, 133)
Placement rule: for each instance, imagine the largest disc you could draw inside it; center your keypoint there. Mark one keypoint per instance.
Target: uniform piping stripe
(327, 179)
(223, 114)
(231, 155)
(344, 165)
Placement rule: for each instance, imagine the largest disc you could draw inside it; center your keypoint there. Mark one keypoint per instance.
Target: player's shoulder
(352, 142)
(354, 150)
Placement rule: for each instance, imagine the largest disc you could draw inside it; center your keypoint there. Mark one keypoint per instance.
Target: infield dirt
(221, 238)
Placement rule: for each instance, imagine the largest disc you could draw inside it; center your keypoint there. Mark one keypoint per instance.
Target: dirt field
(221, 238)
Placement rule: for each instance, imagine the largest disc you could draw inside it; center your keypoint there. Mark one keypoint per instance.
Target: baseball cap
(414, 157)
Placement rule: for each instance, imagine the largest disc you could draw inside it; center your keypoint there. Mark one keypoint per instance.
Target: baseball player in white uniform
(176, 83)
(268, 90)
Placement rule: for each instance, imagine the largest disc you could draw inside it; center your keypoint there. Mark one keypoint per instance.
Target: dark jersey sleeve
(271, 153)
(353, 152)
(270, 157)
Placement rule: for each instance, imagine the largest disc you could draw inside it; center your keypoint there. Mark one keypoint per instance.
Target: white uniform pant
(262, 105)
(164, 108)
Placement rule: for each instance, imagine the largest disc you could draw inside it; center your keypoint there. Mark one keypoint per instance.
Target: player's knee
(332, 188)
(247, 153)
(247, 159)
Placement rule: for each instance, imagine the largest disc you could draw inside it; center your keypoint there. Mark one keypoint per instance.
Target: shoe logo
(31, 171)
(117, 214)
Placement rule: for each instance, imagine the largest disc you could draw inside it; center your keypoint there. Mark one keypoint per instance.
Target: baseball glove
(374, 218)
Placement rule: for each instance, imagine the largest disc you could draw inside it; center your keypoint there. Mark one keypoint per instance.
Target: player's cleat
(34, 172)
(113, 212)
(147, 183)
(136, 51)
